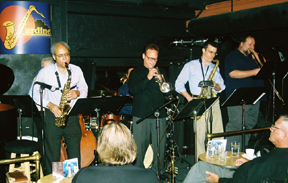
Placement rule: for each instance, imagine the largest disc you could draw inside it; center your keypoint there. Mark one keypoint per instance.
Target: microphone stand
(42, 116)
(157, 114)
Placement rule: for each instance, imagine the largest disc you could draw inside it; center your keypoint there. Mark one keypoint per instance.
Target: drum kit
(97, 121)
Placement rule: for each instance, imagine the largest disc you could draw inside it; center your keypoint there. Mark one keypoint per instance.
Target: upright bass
(87, 145)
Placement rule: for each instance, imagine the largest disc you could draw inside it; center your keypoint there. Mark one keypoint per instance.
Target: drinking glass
(235, 148)
(211, 150)
(222, 155)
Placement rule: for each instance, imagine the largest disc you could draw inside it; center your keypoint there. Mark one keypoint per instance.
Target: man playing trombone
(239, 69)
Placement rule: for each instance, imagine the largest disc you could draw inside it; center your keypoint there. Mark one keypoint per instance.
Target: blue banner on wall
(25, 27)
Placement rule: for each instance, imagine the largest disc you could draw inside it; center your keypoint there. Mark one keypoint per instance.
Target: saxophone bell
(124, 79)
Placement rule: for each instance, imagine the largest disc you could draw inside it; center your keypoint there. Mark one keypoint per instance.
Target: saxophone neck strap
(58, 80)
(200, 60)
(59, 84)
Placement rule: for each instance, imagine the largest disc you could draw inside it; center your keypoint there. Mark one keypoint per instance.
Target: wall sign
(25, 27)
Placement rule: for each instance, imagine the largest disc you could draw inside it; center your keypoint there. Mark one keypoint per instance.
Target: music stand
(244, 96)
(105, 104)
(194, 108)
(268, 71)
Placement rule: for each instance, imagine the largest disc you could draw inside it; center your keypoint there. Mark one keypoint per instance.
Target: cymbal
(7, 78)
(6, 107)
(101, 93)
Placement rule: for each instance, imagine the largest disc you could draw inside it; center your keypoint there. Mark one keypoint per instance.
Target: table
(49, 178)
(229, 163)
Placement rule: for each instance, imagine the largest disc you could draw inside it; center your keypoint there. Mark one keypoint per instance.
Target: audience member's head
(116, 145)
(47, 61)
(279, 132)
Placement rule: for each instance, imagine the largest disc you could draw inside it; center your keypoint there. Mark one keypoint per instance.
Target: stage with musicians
(177, 76)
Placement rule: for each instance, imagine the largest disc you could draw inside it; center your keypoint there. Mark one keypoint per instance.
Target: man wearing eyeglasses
(55, 76)
(193, 72)
(239, 69)
(269, 167)
(147, 97)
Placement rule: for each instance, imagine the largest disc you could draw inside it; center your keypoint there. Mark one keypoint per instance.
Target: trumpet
(164, 86)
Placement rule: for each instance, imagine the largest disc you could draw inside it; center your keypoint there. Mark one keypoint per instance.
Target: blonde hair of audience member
(115, 145)
(47, 61)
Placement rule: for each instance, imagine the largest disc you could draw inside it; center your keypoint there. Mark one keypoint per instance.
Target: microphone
(44, 85)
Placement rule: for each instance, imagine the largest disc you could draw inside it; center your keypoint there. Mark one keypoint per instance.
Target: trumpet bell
(165, 87)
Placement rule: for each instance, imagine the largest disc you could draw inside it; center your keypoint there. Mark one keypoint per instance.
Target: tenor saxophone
(205, 93)
(11, 38)
(64, 104)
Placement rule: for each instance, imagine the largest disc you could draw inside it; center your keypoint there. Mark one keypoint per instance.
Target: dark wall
(105, 40)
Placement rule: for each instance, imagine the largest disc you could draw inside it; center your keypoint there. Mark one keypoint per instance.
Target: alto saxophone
(64, 104)
(205, 93)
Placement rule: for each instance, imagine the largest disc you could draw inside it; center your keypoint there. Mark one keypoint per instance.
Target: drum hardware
(172, 170)
(156, 113)
(101, 93)
(171, 145)
(131, 125)
(93, 123)
(109, 118)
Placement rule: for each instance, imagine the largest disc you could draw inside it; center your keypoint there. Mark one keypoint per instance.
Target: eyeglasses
(211, 52)
(152, 59)
(63, 55)
(275, 127)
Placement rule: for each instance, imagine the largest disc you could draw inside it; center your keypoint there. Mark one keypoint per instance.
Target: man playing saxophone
(56, 75)
(193, 72)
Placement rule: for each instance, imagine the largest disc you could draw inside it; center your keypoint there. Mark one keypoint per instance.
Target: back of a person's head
(116, 145)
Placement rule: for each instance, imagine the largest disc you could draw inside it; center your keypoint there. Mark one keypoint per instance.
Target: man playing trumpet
(146, 98)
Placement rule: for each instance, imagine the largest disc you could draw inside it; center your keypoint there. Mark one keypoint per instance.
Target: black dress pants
(53, 136)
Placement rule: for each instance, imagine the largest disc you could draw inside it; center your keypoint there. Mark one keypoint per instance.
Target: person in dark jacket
(272, 166)
(147, 97)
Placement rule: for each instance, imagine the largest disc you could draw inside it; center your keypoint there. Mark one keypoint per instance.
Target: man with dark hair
(239, 69)
(271, 166)
(193, 72)
(146, 98)
(57, 75)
